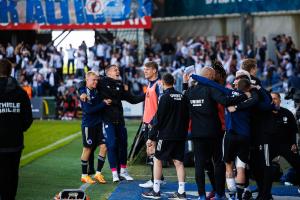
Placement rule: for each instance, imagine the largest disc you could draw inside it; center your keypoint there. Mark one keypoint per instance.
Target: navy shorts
(92, 136)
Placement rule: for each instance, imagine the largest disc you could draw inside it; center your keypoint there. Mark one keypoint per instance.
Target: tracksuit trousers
(264, 154)
(206, 149)
(116, 143)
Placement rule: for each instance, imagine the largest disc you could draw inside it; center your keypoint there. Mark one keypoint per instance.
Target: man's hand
(149, 143)
(150, 147)
(126, 87)
(83, 97)
(294, 148)
(231, 109)
(186, 78)
(107, 101)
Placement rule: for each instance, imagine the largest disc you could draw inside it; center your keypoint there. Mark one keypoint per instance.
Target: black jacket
(204, 111)
(282, 127)
(261, 115)
(15, 115)
(172, 117)
(109, 88)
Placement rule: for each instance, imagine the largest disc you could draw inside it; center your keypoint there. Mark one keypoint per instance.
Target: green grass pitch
(45, 173)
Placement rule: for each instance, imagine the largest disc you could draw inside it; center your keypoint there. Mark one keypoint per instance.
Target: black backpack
(71, 194)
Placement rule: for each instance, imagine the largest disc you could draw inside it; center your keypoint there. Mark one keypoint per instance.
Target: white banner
(133, 110)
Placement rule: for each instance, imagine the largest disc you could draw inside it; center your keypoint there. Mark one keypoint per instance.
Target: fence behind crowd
(46, 108)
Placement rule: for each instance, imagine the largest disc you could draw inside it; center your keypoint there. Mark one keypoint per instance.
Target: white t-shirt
(9, 52)
(107, 52)
(57, 61)
(100, 50)
(289, 69)
(80, 62)
(71, 53)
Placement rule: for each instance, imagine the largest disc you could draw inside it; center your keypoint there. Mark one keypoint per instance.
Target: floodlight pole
(247, 30)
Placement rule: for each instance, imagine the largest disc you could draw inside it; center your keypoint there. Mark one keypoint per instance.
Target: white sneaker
(148, 184)
(124, 174)
(115, 177)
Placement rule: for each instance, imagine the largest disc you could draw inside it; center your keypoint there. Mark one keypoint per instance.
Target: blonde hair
(90, 73)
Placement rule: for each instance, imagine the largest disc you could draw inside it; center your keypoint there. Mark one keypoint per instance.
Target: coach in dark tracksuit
(15, 118)
(110, 87)
(282, 130)
(206, 127)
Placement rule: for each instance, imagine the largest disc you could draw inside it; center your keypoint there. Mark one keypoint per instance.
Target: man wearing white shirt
(9, 51)
(100, 51)
(71, 58)
(80, 60)
(108, 53)
(57, 63)
(288, 67)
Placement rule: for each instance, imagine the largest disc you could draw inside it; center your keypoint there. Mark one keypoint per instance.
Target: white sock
(83, 175)
(115, 173)
(181, 187)
(231, 184)
(156, 185)
(97, 172)
(123, 170)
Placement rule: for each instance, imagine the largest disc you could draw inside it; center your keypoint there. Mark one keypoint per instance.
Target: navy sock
(91, 169)
(101, 161)
(84, 166)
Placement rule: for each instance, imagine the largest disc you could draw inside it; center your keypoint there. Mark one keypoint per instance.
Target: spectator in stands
(80, 63)
(71, 60)
(53, 81)
(9, 51)
(168, 51)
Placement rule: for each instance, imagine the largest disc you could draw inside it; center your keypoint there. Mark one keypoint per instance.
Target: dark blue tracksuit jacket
(91, 109)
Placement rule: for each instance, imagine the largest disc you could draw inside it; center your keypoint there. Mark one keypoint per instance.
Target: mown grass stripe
(51, 145)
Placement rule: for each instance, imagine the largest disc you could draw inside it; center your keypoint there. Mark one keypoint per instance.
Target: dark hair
(152, 65)
(218, 67)
(109, 66)
(168, 79)
(5, 67)
(244, 84)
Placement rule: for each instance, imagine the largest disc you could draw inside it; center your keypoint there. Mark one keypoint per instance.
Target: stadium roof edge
(182, 18)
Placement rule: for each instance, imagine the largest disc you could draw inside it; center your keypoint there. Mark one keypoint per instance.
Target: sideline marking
(51, 145)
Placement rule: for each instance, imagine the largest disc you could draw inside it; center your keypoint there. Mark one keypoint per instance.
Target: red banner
(138, 23)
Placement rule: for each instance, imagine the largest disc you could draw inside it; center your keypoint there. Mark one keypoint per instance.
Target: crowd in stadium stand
(39, 68)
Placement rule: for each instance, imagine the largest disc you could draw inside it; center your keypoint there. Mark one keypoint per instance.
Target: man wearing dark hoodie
(15, 119)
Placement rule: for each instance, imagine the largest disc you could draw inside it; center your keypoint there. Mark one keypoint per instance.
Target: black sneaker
(176, 196)
(151, 195)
